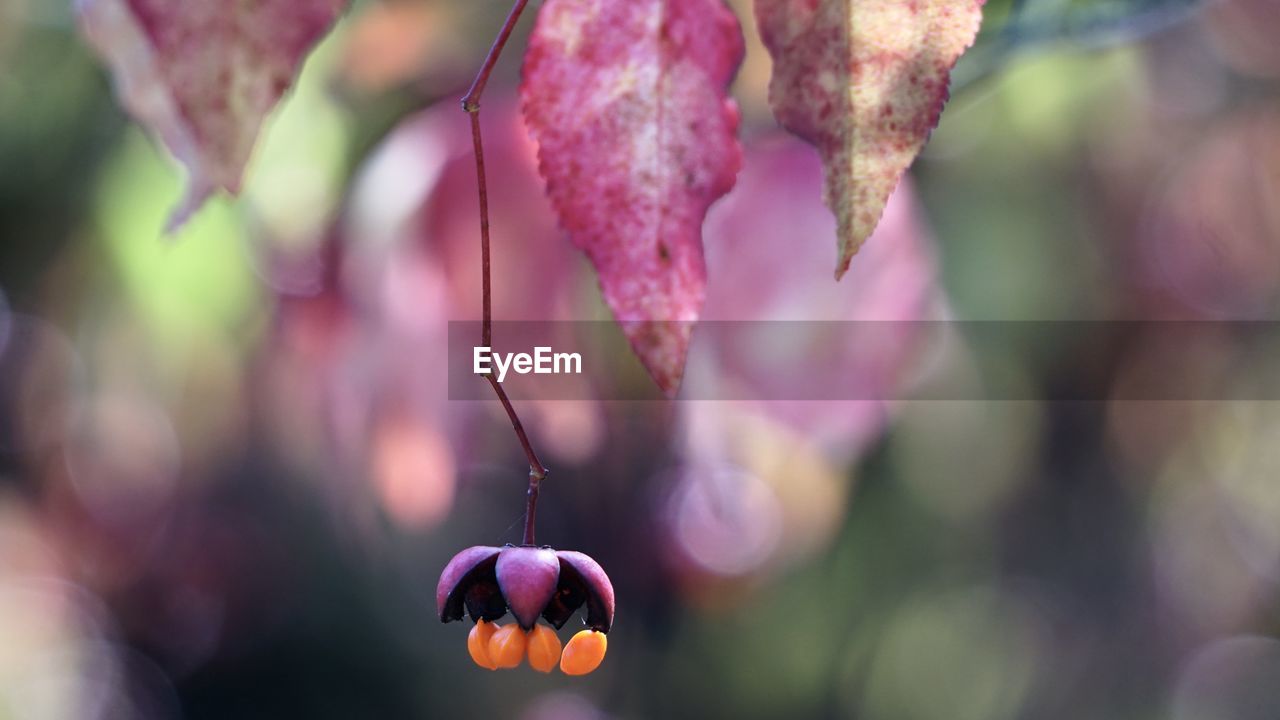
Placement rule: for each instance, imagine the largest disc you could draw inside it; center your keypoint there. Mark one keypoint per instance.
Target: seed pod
(582, 580)
(487, 582)
(469, 579)
(527, 577)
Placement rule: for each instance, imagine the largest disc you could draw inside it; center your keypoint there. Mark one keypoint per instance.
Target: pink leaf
(203, 75)
(627, 101)
(849, 343)
(864, 81)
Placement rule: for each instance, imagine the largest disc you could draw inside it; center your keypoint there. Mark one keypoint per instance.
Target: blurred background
(230, 472)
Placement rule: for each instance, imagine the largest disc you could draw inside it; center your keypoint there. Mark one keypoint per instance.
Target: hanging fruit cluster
(530, 582)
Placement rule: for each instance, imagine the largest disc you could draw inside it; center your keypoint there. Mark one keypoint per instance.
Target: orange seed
(544, 649)
(478, 644)
(506, 647)
(584, 652)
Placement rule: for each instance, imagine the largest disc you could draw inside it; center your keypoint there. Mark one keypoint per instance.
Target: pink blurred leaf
(202, 76)
(636, 136)
(769, 331)
(864, 81)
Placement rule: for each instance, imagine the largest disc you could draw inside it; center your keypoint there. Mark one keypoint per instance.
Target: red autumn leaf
(864, 81)
(202, 76)
(636, 136)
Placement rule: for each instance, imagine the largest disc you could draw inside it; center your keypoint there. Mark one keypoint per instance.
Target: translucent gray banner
(880, 360)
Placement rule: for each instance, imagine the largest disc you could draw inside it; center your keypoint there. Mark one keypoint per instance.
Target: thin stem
(536, 469)
(471, 101)
(471, 105)
(486, 288)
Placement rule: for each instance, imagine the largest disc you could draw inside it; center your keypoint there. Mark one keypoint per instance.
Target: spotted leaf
(864, 81)
(636, 136)
(202, 76)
